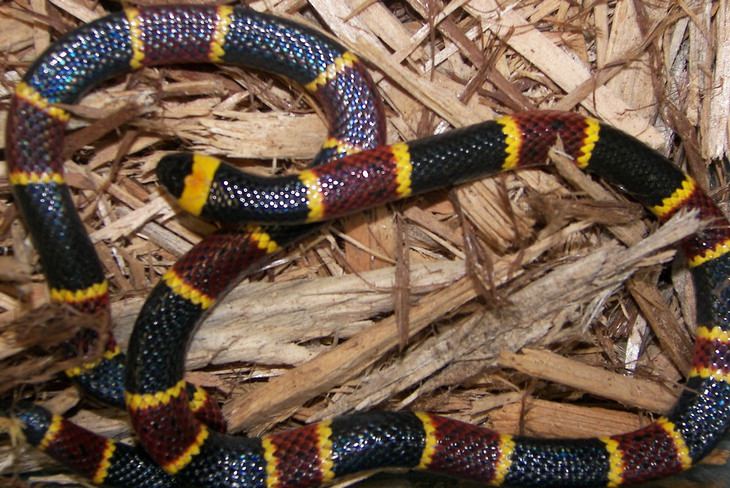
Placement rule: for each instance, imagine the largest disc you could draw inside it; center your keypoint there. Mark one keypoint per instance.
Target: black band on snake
(156, 395)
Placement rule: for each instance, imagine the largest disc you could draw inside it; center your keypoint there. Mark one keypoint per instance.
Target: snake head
(172, 170)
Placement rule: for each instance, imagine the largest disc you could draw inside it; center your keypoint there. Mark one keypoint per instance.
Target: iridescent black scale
(713, 292)
(278, 45)
(82, 59)
(278, 199)
(353, 111)
(558, 463)
(636, 168)
(702, 414)
(247, 468)
(376, 440)
(104, 381)
(66, 261)
(471, 151)
(172, 317)
(132, 467)
(36, 421)
(361, 113)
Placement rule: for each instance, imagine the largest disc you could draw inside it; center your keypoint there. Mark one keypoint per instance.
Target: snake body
(157, 398)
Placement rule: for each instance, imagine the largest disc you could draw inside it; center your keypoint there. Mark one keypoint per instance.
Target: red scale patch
(648, 453)
(713, 234)
(92, 305)
(41, 136)
(713, 355)
(77, 448)
(362, 180)
(465, 450)
(166, 430)
(170, 41)
(86, 342)
(297, 453)
(211, 415)
(226, 254)
(540, 131)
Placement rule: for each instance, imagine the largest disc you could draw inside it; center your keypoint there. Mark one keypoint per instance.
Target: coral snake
(161, 405)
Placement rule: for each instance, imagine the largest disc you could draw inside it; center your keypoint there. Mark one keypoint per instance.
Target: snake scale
(177, 425)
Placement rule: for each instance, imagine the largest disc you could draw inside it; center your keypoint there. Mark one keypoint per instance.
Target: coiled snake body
(163, 408)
